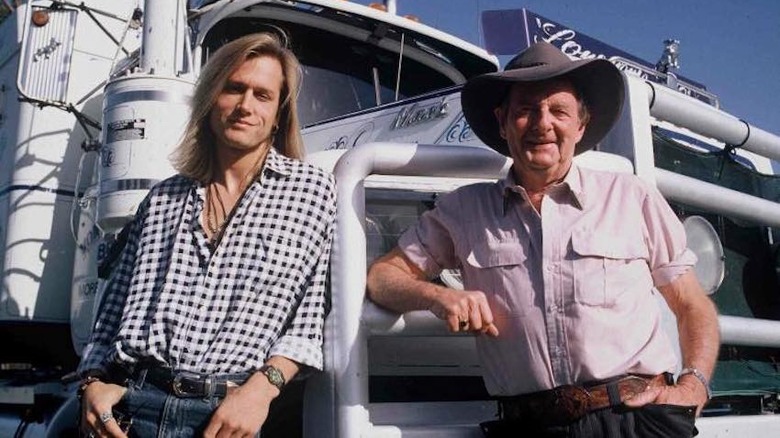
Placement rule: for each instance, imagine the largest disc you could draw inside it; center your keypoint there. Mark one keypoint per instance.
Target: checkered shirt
(261, 292)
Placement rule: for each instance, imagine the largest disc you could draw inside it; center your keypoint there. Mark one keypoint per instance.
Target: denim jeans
(153, 412)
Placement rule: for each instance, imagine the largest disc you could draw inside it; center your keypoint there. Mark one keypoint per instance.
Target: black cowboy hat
(598, 81)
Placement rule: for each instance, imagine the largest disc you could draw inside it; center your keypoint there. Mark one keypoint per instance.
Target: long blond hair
(194, 156)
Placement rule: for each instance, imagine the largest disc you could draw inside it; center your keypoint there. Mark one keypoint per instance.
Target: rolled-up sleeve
(669, 255)
(302, 338)
(429, 244)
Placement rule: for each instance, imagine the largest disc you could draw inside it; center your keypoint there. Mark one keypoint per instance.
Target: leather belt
(565, 404)
(184, 384)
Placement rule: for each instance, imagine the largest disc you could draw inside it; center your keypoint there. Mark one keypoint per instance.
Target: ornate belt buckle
(177, 386)
(630, 386)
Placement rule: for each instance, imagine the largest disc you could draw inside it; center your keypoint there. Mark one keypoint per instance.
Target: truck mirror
(47, 51)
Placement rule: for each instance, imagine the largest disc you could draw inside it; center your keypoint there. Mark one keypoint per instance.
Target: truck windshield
(341, 75)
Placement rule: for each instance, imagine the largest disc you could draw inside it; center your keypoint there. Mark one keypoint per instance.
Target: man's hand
(464, 311)
(697, 324)
(395, 283)
(244, 409)
(98, 400)
(688, 392)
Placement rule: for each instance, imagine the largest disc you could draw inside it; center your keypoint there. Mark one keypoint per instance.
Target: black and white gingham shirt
(260, 293)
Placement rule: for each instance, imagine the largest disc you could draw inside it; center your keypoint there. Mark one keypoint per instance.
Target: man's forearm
(396, 287)
(699, 344)
(697, 324)
(699, 336)
(397, 284)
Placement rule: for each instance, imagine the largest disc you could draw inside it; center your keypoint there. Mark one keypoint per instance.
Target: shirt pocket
(284, 260)
(606, 265)
(268, 261)
(496, 267)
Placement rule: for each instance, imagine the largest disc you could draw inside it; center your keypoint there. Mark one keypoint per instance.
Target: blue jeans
(153, 412)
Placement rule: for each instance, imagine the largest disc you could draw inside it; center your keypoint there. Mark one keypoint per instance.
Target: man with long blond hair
(218, 298)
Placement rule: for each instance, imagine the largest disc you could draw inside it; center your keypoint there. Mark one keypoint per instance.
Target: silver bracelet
(699, 375)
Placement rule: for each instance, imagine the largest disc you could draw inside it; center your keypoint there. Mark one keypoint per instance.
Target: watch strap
(83, 385)
(700, 376)
(274, 375)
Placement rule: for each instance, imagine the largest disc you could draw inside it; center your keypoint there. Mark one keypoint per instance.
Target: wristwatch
(700, 376)
(274, 375)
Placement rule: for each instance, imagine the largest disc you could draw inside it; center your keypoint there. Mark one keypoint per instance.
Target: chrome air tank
(143, 119)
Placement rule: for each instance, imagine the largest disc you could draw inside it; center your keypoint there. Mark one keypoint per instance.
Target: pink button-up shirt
(571, 289)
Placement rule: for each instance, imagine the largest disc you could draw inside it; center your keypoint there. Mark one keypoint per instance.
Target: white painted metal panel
(47, 55)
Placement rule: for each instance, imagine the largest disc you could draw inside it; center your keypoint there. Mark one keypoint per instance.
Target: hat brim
(599, 81)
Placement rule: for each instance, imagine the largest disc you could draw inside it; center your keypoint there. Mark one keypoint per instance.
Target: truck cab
(380, 108)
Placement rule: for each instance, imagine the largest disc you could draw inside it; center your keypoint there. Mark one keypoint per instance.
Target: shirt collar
(277, 163)
(274, 162)
(572, 183)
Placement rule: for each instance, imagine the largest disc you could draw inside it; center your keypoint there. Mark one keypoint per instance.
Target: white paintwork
(749, 331)
(717, 199)
(41, 148)
(164, 37)
(699, 117)
(84, 290)
(377, 125)
(733, 426)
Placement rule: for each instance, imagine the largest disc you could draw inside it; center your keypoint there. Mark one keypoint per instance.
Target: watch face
(274, 376)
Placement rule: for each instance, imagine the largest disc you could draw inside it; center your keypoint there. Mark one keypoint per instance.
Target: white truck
(94, 95)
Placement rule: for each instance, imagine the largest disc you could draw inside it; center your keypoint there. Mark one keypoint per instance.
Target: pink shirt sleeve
(666, 241)
(429, 244)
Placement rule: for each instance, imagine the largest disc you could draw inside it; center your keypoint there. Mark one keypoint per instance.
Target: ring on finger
(462, 324)
(105, 417)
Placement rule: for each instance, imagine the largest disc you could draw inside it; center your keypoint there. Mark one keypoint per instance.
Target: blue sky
(730, 46)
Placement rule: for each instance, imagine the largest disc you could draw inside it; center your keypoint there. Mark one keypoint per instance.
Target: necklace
(217, 215)
(214, 207)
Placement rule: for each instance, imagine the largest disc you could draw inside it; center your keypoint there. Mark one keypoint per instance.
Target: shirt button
(549, 268)
(553, 308)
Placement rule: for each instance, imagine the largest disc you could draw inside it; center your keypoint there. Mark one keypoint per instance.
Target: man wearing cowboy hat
(560, 264)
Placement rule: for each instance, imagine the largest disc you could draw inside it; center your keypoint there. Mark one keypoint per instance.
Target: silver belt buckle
(176, 386)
